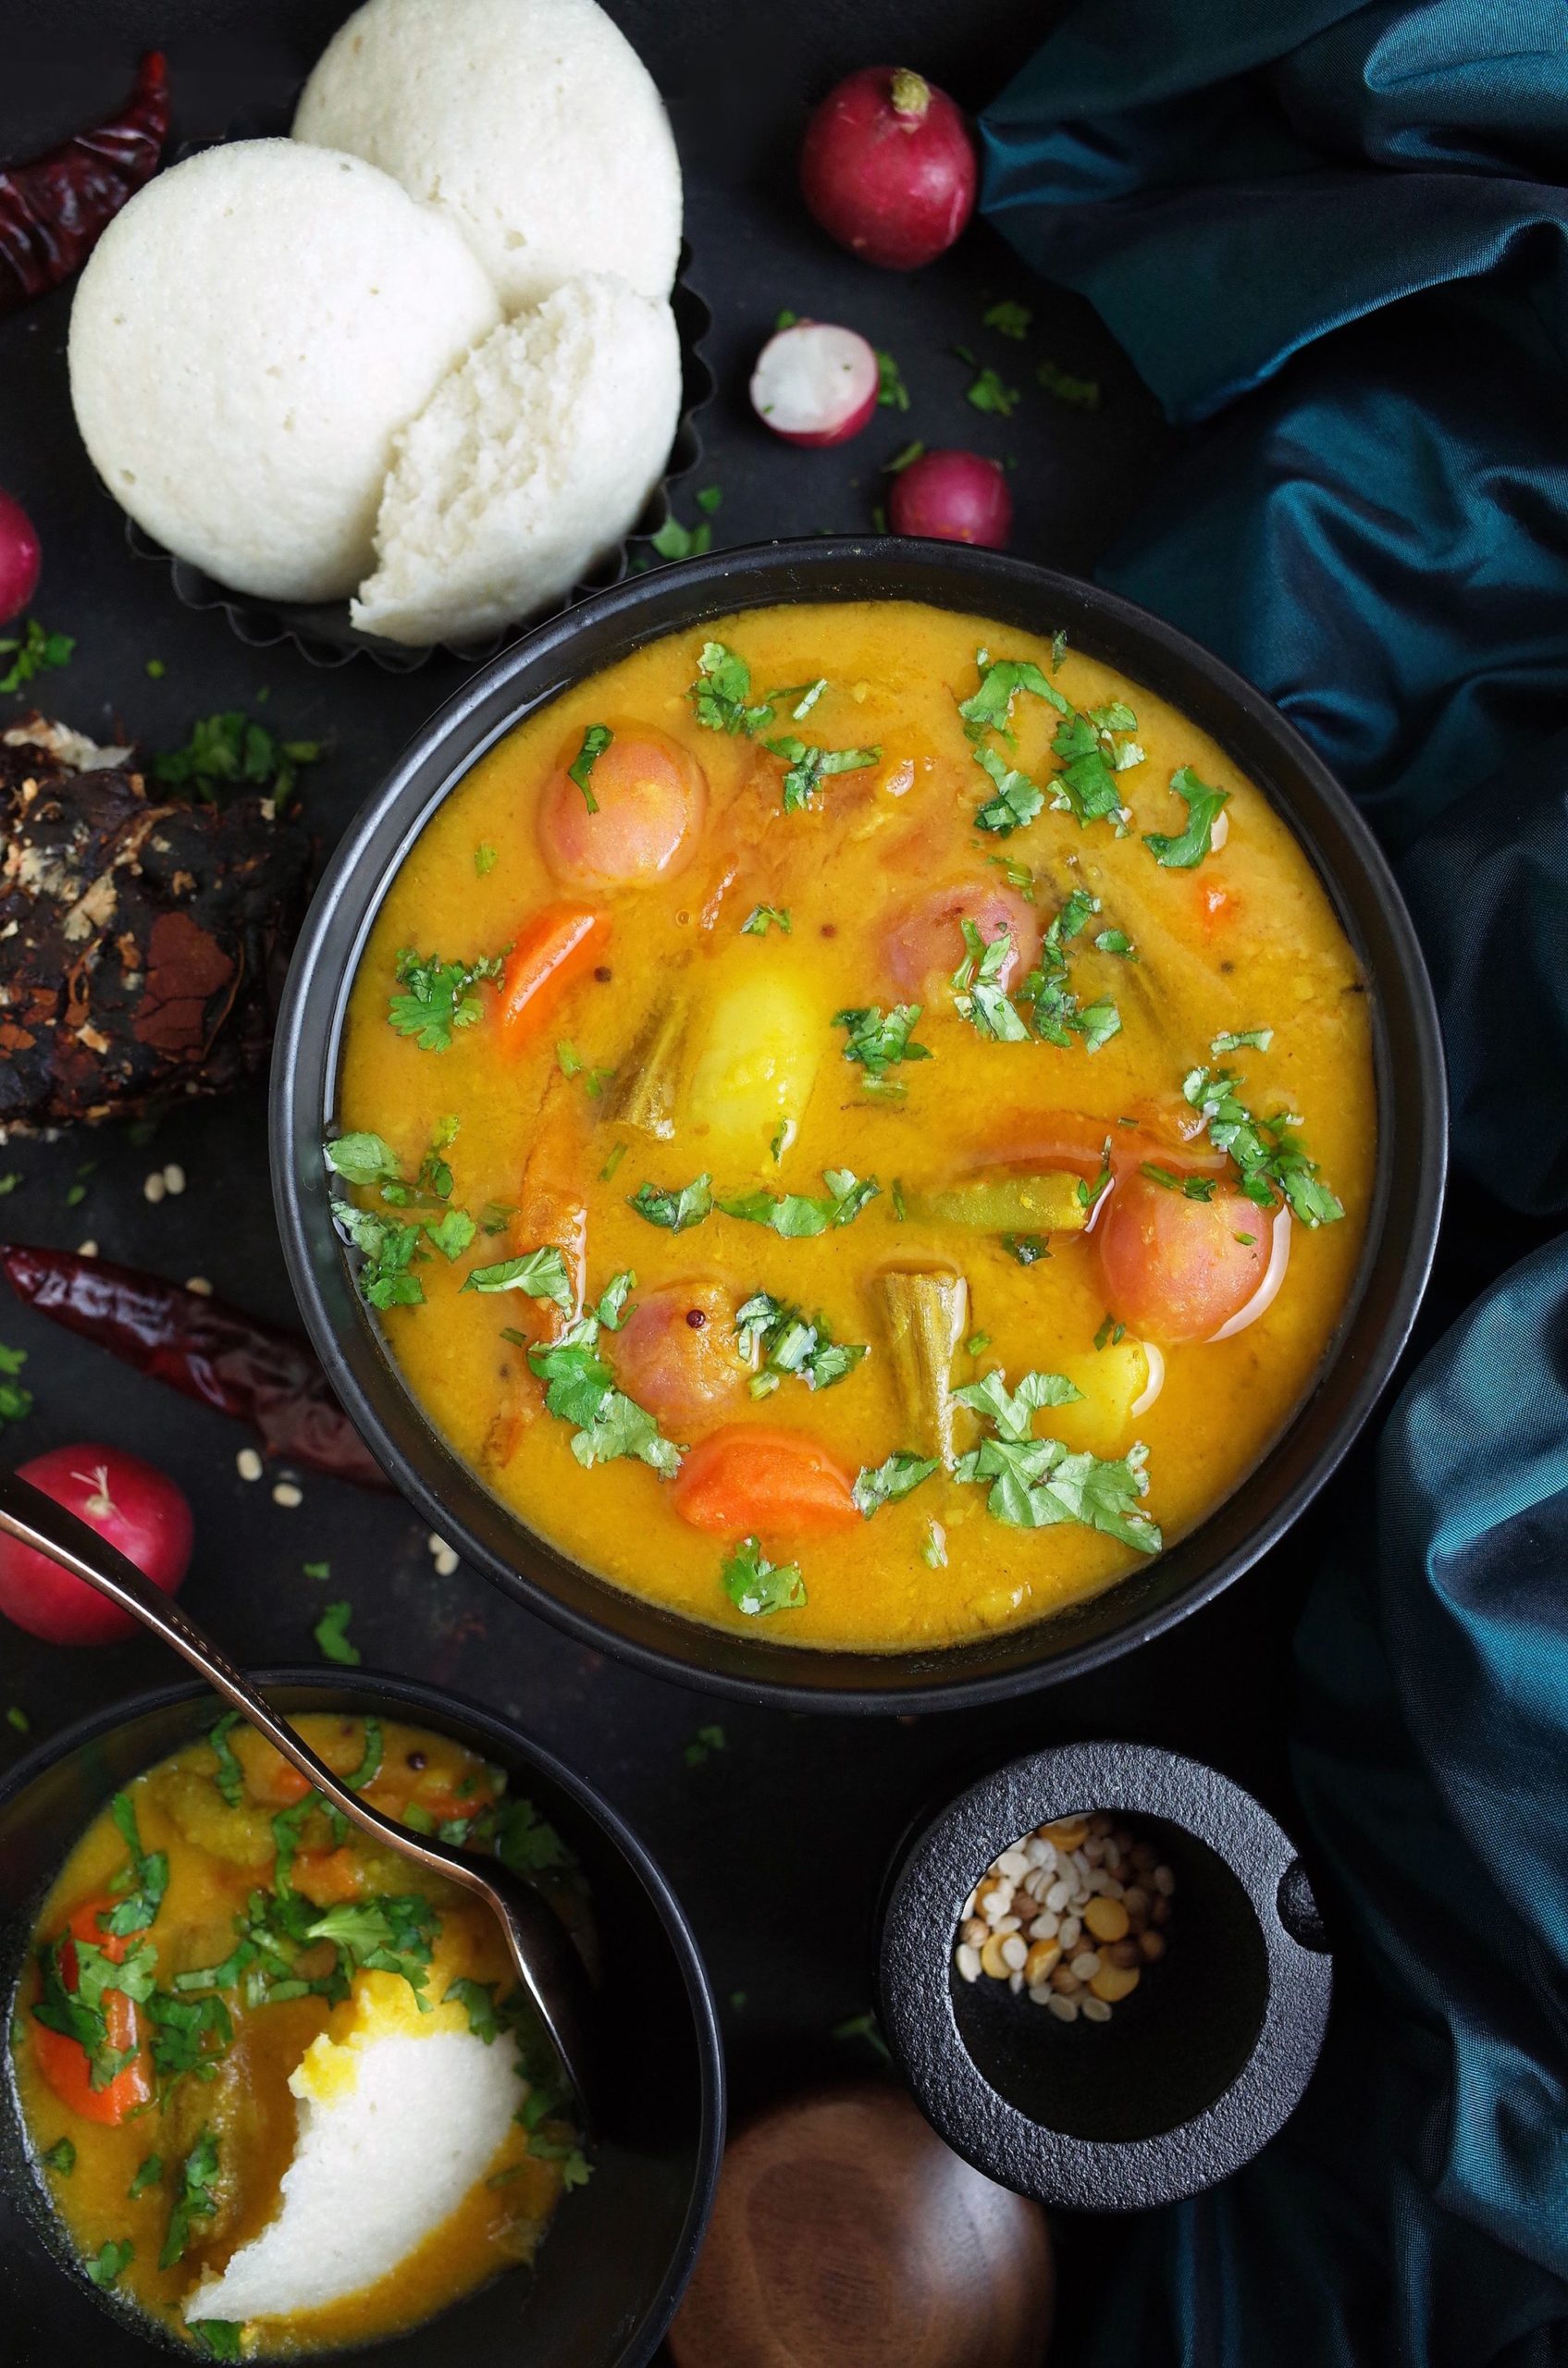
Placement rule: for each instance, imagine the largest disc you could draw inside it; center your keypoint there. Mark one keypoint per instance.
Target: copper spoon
(541, 1950)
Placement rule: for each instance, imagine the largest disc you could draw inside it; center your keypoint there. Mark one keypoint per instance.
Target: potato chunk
(761, 1048)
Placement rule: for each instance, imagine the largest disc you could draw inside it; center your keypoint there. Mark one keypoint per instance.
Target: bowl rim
(1412, 1156)
(432, 1703)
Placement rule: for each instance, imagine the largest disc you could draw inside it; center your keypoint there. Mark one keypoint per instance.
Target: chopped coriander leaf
(229, 1776)
(141, 1885)
(1082, 393)
(1116, 942)
(37, 653)
(18, 1718)
(677, 1210)
(1009, 318)
(156, 670)
(331, 1633)
(387, 1935)
(709, 499)
(785, 320)
(1203, 805)
(990, 707)
(370, 1762)
(607, 1173)
(1233, 1039)
(452, 1233)
(675, 541)
(892, 393)
(722, 687)
(485, 858)
(387, 1249)
(363, 1159)
(1058, 648)
(438, 997)
(897, 1198)
(806, 765)
(757, 921)
(933, 1552)
(989, 392)
(705, 1741)
(878, 519)
(1267, 1151)
(16, 1403)
(797, 1216)
(1194, 1188)
(1247, 1239)
(978, 993)
(864, 2026)
(1017, 800)
(757, 1586)
(612, 1311)
(1028, 1248)
(219, 2337)
(317, 1570)
(1097, 1023)
(895, 1477)
(196, 2198)
(1110, 1333)
(1091, 755)
(878, 1043)
(595, 740)
(61, 2159)
(229, 751)
(478, 2000)
(784, 1344)
(1012, 1412)
(541, 1273)
(976, 1342)
(906, 457)
(1037, 1483)
(580, 1389)
(110, 2262)
(568, 1060)
(1016, 875)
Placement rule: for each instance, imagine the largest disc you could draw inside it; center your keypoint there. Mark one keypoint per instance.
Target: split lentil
(1070, 1916)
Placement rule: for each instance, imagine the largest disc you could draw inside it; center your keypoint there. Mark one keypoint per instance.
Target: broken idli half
(531, 125)
(529, 466)
(247, 339)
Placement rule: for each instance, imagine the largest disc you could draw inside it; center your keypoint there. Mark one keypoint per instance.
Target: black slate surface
(778, 1841)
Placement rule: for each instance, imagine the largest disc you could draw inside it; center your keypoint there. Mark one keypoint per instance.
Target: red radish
(888, 167)
(22, 556)
(956, 496)
(134, 1506)
(815, 384)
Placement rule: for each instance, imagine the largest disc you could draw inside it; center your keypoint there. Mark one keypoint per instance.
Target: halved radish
(815, 384)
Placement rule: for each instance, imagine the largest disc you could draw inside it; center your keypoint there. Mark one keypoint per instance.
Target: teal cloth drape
(1334, 239)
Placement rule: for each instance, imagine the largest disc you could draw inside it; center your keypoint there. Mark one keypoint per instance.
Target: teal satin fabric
(1335, 241)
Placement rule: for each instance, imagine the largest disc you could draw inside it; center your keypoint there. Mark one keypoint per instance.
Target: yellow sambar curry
(218, 1945)
(859, 1119)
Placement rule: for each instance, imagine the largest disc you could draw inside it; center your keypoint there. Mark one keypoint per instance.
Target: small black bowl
(617, 2257)
(1194, 2073)
(1412, 1101)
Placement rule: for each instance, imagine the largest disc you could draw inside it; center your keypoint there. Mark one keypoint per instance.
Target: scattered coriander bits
(1071, 1916)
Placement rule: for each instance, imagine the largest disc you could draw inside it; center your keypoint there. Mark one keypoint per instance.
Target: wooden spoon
(846, 2235)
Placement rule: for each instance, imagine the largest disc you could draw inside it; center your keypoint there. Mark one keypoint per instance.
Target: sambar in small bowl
(861, 1122)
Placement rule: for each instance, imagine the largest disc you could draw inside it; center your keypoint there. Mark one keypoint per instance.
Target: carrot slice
(747, 1478)
(554, 948)
(63, 2062)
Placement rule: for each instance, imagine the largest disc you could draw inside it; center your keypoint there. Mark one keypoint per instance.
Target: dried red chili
(56, 207)
(266, 1378)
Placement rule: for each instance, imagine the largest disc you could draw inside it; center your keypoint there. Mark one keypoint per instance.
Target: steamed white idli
(248, 336)
(527, 464)
(531, 124)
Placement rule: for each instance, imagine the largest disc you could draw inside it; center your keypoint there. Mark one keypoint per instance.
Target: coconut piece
(528, 464)
(532, 125)
(248, 336)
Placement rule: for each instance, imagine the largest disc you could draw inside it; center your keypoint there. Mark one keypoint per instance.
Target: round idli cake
(528, 464)
(248, 336)
(532, 125)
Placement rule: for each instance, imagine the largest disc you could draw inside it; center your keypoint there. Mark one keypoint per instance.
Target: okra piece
(647, 1091)
(1048, 1202)
(926, 1312)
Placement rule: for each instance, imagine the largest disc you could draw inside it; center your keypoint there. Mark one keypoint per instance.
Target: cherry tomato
(1176, 1269)
(650, 802)
(926, 943)
(676, 1355)
(63, 2061)
(135, 1507)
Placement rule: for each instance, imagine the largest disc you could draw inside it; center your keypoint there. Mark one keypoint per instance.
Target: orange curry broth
(1246, 940)
(217, 1856)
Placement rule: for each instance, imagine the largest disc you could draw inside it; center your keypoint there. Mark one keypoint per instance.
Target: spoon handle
(542, 1951)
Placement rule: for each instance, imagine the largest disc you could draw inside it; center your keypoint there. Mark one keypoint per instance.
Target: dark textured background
(778, 1843)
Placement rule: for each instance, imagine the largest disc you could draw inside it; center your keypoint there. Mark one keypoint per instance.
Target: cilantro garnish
(1026, 1249)
(979, 995)
(1017, 800)
(527, 1842)
(438, 996)
(722, 687)
(386, 1934)
(478, 2000)
(188, 2035)
(196, 2199)
(757, 920)
(757, 1586)
(485, 858)
(990, 707)
(1082, 393)
(1268, 1151)
(363, 1159)
(148, 2173)
(892, 393)
(580, 1388)
(703, 1745)
(686, 1206)
(797, 1216)
(891, 1479)
(390, 1248)
(230, 751)
(879, 1043)
(60, 2158)
(15, 1404)
(331, 1633)
(989, 392)
(906, 457)
(37, 653)
(1009, 318)
(1194, 1188)
(141, 1884)
(387, 1249)
(1093, 748)
(786, 1343)
(1234, 1040)
(1203, 807)
(539, 1273)
(595, 740)
(110, 2262)
(1036, 1483)
(1058, 1013)
(1012, 1410)
(220, 2337)
(808, 764)
(1110, 1333)
(1116, 942)
(675, 541)
(370, 1763)
(933, 1551)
